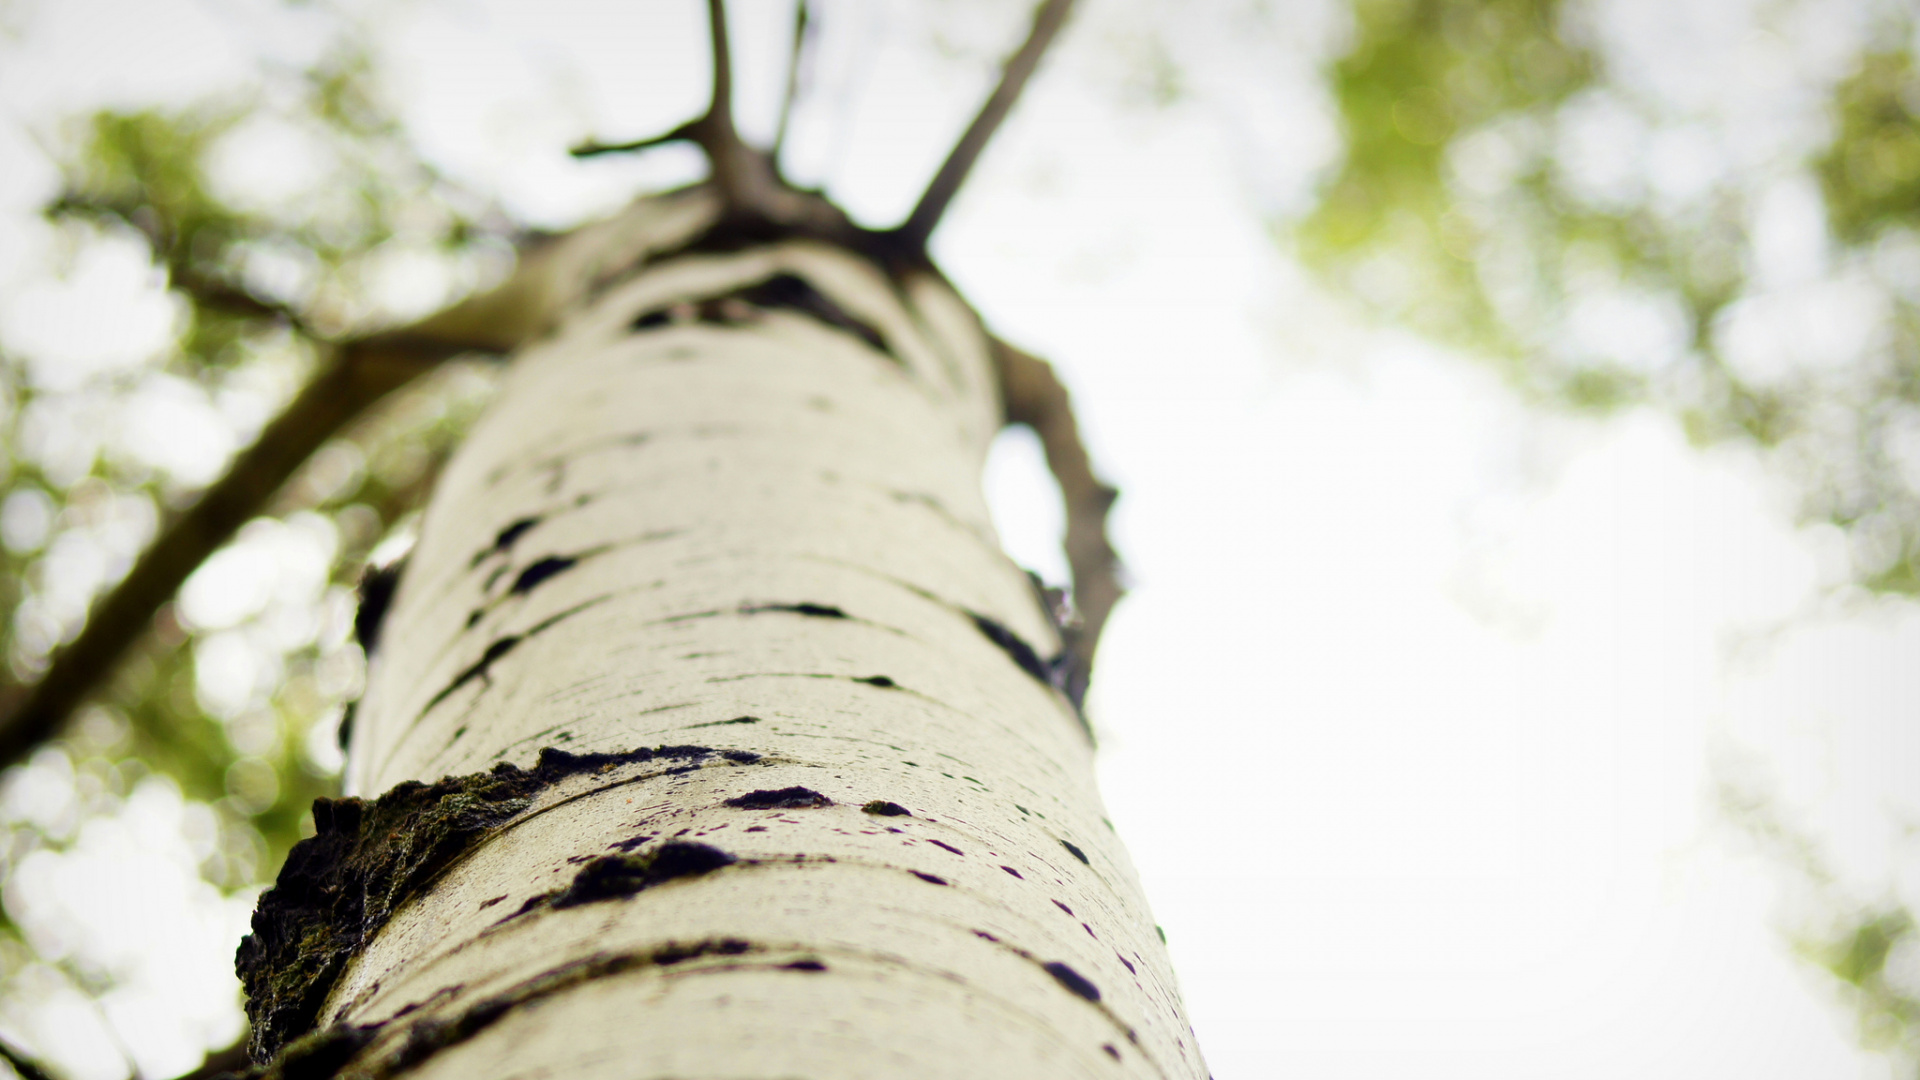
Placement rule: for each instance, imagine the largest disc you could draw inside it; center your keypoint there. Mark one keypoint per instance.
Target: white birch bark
(780, 556)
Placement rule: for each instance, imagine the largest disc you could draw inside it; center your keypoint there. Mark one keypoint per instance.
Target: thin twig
(1013, 78)
(683, 133)
(800, 38)
(720, 103)
(28, 1068)
(1034, 396)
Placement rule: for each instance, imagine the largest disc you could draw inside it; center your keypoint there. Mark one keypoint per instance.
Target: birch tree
(708, 730)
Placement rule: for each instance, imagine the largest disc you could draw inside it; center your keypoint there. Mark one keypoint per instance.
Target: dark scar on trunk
(614, 877)
(541, 571)
(1021, 652)
(820, 611)
(883, 808)
(1072, 980)
(501, 647)
(327, 1053)
(340, 886)
(789, 798)
(1074, 850)
(724, 723)
(504, 540)
(788, 292)
(376, 590)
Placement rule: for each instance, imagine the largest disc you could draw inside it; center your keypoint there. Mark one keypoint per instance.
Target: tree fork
(760, 205)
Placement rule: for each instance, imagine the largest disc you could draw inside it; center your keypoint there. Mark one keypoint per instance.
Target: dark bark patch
(1063, 907)
(1072, 980)
(504, 539)
(495, 650)
(788, 292)
(376, 591)
(1074, 850)
(804, 965)
(818, 611)
(794, 293)
(541, 571)
(1111, 1051)
(880, 681)
(614, 877)
(1126, 963)
(947, 847)
(1021, 652)
(501, 647)
(319, 1055)
(883, 808)
(675, 953)
(743, 757)
(323, 1055)
(724, 723)
(789, 798)
(1012, 871)
(340, 885)
(929, 878)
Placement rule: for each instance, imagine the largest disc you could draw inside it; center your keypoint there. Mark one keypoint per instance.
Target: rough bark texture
(720, 737)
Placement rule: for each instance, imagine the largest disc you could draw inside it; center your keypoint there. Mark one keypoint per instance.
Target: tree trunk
(715, 730)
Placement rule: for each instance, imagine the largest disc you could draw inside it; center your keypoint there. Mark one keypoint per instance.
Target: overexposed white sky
(1415, 718)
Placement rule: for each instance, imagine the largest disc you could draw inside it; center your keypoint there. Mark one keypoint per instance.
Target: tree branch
(800, 39)
(360, 373)
(720, 101)
(207, 291)
(751, 189)
(1013, 79)
(1034, 396)
(590, 148)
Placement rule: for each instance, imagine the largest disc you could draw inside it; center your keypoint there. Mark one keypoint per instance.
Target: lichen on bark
(366, 857)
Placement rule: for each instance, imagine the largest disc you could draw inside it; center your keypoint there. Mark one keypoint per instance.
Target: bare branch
(683, 133)
(207, 291)
(720, 104)
(801, 36)
(1034, 396)
(1013, 79)
(360, 374)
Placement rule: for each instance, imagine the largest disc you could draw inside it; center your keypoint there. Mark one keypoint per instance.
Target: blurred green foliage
(1871, 173)
(257, 762)
(1461, 211)
(1498, 194)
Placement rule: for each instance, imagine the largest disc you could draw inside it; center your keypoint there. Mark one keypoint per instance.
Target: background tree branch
(1033, 395)
(953, 172)
(361, 373)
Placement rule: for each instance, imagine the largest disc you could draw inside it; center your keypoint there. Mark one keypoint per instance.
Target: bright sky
(1415, 719)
